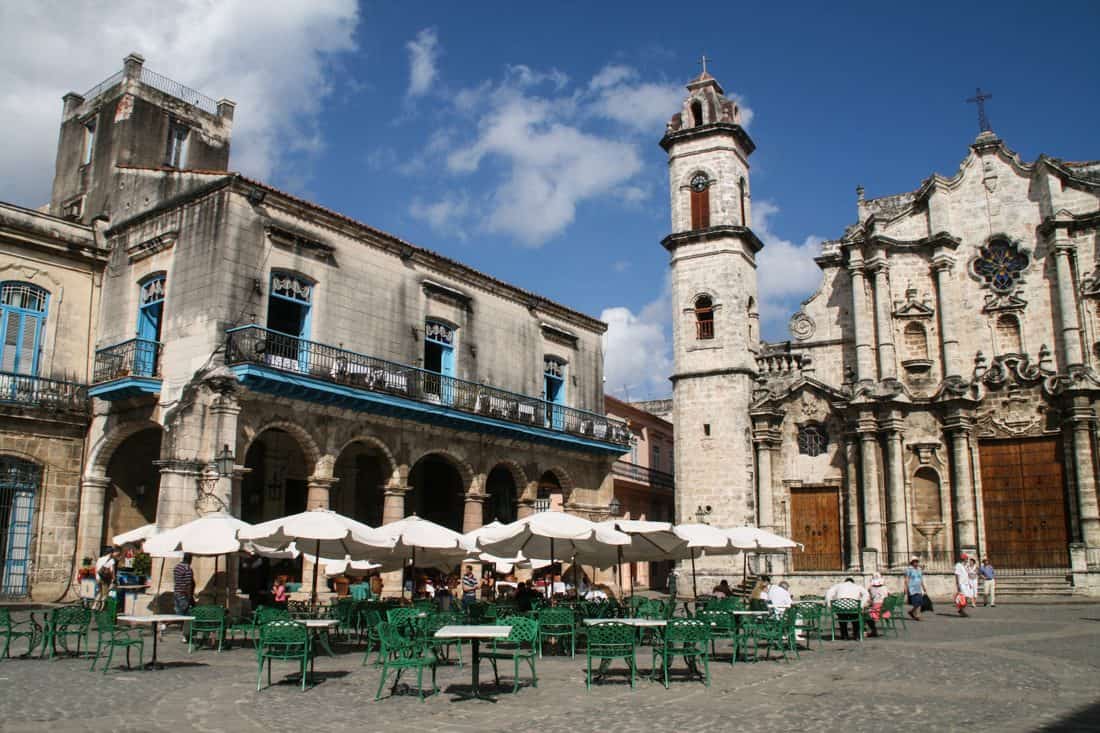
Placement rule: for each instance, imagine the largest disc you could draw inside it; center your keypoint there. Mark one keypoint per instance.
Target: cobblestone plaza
(1010, 668)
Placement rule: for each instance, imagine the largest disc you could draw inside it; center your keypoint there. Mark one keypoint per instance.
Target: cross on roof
(979, 99)
(704, 63)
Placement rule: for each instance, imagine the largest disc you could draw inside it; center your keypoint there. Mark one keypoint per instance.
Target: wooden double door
(815, 523)
(1024, 500)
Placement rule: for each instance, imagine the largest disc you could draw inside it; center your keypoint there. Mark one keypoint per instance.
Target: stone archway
(437, 490)
(363, 468)
(552, 489)
(277, 483)
(133, 487)
(502, 492)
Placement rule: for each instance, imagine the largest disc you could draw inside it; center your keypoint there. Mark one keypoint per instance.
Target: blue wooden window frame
(293, 288)
(553, 390)
(19, 482)
(441, 335)
(151, 293)
(23, 309)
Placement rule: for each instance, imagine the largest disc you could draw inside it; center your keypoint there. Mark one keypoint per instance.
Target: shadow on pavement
(1083, 719)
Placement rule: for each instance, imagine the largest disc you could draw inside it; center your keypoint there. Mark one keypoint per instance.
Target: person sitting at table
(278, 591)
(779, 596)
(723, 590)
(443, 598)
(488, 586)
(878, 594)
(758, 599)
(428, 587)
(847, 589)
(525, 597)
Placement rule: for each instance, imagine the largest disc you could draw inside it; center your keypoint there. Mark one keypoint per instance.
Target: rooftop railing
(54, 394)
(137, 357)
(161, 83)
(258, 345)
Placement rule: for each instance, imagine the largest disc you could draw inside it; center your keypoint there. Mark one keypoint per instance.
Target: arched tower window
(1008, 334)
(704, 317)
(916, 341)
(700, 201)
(696, 113)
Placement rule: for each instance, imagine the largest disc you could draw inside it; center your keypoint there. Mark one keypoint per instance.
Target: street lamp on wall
(615, 507)
(219, 468)
(224, 461)
(701, 514)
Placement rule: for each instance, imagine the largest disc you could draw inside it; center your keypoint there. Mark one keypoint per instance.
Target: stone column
(318, 491)
(851, 486)
(962, 488)
(884, 327)
(1082, 418)
(896, 525)
(861, 317)
(872, 515)
(765, 504)
(93, 503)
(942, 265)
(178, 499)
(473, 512)
(1067, 302)
(393, 503)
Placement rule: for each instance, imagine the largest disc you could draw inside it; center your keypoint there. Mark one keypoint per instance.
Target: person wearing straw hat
(878, 593)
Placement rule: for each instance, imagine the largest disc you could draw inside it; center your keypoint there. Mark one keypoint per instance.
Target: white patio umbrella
(323, 531)
(134, 536)
(703, 538)
(649, 541)
(754, 538)
(209, 535)
(548, 535)
(422, 541)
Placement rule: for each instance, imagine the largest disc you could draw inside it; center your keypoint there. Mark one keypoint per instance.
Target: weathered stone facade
(938, 391)
(50, 276)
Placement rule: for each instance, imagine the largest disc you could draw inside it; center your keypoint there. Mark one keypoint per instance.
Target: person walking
(962, 583)
(972, 589)
(183, 589)
(988, 577)
(914, 587)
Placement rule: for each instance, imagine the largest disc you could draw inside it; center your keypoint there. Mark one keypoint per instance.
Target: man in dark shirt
(469, 587)
(524, 597)
(183, 587)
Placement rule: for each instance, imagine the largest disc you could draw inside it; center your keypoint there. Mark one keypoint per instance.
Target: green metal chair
(12, 630)
(846, 610)
(110, 635)
(403, 653)
(687, 638)
(244, 627)
(557, 623)
(519, 645)
(607, 641)
(63, 624)
(722, 627)
(810, 616)
(433, 623)
(888, 615)
(771, 634)
(209, 623)
(283, 640)
(404, 618)
(369, 619)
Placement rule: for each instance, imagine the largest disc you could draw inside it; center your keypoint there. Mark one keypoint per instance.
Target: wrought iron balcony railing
(258, 345)
(53, 394)
(134, 358)
(643, 475)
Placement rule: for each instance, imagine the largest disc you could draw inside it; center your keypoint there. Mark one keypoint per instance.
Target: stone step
(1034, 585)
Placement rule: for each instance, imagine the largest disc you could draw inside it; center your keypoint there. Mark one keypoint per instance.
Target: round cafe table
(153, 620)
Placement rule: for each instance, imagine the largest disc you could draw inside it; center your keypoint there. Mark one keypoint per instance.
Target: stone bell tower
(715, 318)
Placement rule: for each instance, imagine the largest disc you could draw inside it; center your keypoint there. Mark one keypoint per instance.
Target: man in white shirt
(105, 568)
(962, 583)
(847, 589)
(779, 596)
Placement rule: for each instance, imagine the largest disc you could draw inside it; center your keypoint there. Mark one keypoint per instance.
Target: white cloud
(445, 216)
(272, 63)
(423, 54)
(637, 350)
(645, 107)
(786, 272)
(611, 75)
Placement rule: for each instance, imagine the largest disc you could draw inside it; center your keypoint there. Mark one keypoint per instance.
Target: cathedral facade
(938, 391)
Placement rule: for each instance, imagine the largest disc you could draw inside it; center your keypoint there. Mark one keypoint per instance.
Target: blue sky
(522, 138)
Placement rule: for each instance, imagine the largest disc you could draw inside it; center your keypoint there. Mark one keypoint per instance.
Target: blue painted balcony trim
(125, 388)
(274, 381)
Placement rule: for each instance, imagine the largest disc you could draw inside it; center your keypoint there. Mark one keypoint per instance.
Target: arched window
(704, 317)
(916, 341)
(696, 113)
(22, 313)
(700, 201)
(812, 439)
(1008, 334)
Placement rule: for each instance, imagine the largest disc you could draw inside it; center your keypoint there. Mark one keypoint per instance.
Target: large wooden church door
(1023, 495)
(815, 522)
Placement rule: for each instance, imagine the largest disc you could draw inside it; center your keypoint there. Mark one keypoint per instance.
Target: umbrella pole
(619, 570)
(694, 589)
(160, 578)
(576, 586)
(550, 585)
(216, 580)
(316, 567)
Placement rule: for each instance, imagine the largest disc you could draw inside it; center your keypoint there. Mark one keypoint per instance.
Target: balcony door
(439, 361)
(22, 313)
(19, 482)
(288, 315)
(553, 391)
(150, 316)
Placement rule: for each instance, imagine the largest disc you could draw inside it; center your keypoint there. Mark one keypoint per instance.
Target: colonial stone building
(50, 275)
(339, 365)
(938, 393)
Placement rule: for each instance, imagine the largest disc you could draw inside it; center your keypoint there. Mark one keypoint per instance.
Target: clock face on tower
(699, 182)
